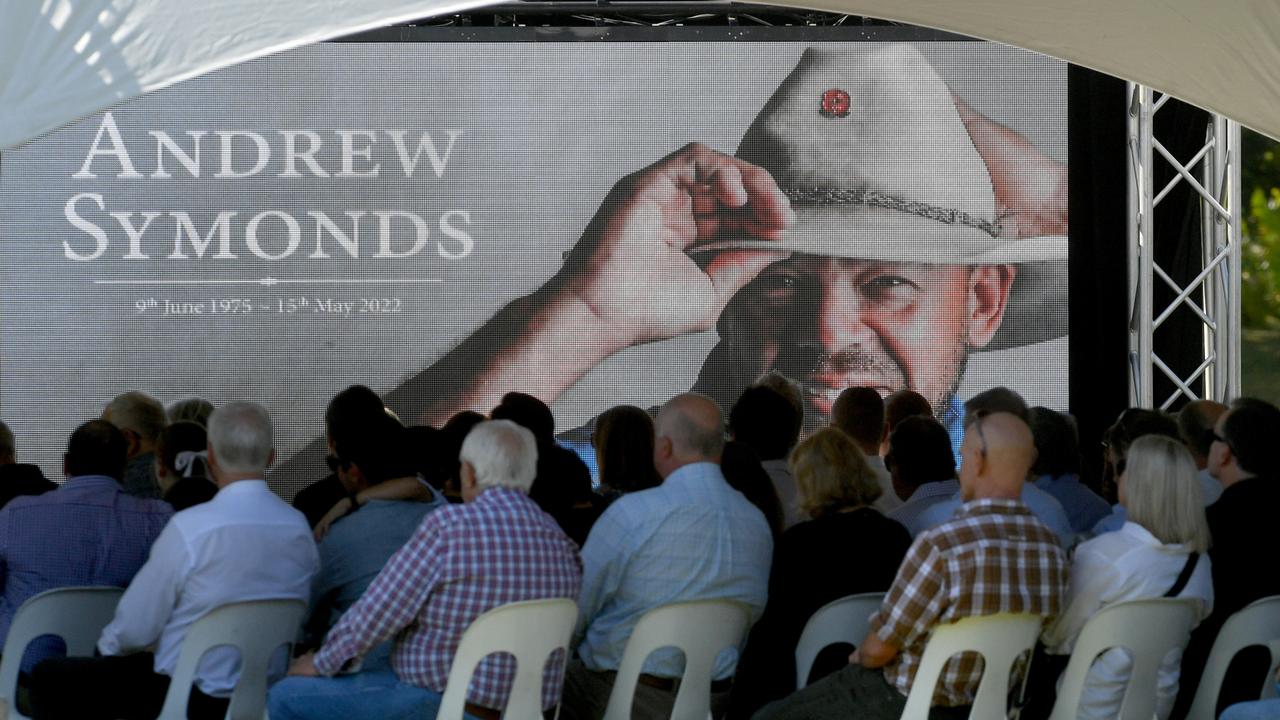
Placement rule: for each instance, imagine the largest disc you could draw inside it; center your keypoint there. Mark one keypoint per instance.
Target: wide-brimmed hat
(870, 149)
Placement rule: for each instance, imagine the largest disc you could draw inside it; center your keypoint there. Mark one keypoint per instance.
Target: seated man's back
(946, 576)
(244, 544)
(358, 545)
(498, 547)
(692, 538)
(88, 532)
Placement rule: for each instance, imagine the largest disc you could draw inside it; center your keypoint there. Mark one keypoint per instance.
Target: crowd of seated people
(416, 531)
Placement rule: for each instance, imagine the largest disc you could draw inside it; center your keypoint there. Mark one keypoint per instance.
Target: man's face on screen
(833, 323)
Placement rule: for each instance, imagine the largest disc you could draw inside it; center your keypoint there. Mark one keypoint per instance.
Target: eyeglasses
(976, 424)
(334, 462)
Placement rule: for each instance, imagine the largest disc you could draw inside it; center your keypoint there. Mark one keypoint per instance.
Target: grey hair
(502, 453)
(136, 411)
(7, 448)
(241, 438)
(1162, 492)
(196, 410)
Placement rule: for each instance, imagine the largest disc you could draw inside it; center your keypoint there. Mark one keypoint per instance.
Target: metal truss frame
(1213, 294)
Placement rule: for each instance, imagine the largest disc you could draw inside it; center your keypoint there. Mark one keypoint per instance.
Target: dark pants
(586, 695)
(111, 688)
(853, 692)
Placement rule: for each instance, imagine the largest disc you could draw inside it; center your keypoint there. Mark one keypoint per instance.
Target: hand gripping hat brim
(871, 151)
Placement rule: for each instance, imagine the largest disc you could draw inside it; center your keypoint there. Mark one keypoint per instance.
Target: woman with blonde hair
(1159, 552)
(845, 548)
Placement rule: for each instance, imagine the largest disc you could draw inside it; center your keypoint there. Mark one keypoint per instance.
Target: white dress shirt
(244, 544)
(1129, 564)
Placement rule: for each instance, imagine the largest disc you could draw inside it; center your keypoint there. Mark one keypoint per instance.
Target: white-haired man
(141, 418)
(691, 538)
(496, 548)
(244, 544)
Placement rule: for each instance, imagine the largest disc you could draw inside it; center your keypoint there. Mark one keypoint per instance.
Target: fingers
(731, 270)
(725, 190)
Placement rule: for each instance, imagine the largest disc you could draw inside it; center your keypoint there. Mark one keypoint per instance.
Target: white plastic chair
(845, 620)
(530, 631)
(1256, 624)
(999, 638)
(257, 628)
(701, 629)
(1148, 629)
(76, 614)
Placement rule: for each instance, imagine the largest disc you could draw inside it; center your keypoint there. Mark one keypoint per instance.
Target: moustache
(811, 360)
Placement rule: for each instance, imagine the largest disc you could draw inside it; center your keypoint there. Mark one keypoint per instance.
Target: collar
(694, 472)
(498, 495)
(92, 481)
(992, 506)
(240, 487)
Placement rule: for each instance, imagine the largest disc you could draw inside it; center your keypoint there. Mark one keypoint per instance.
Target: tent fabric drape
(63, 59)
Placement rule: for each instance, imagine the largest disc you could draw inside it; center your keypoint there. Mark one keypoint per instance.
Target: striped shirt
(993, 557)
(462, 561)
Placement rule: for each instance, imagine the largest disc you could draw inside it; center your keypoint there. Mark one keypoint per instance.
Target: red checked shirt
(993, 556)
(461, 561)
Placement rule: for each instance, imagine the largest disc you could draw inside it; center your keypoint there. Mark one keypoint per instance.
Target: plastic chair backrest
(76, 614)
(1000, 638)
(845, 620)
(531, 631)
(1148, 629)
(1256, 624)
(701, 629)
(257, 628)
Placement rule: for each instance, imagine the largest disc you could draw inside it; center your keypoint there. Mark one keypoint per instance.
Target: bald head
(1195, 427)
(689, 429)
(997, 454)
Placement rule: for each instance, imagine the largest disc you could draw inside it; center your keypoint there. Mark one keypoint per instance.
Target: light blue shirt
(911, 512)
(1041, 504)
(952, 419)
(1210, 488)
(1111, 523)
(1084, 507)
(352, 555)
(691, 538)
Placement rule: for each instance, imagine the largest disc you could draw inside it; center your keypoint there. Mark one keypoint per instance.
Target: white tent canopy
(63, 59)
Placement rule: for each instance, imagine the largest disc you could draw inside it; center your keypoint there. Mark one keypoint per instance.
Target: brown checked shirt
(994, 556)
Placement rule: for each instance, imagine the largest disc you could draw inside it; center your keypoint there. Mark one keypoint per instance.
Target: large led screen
(592, 222)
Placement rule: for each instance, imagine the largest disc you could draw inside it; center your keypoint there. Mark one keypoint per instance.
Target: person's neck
(225, 480)
(675, 466)
(996, 489)
(1234, 474)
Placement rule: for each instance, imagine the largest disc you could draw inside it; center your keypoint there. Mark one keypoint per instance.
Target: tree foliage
(1260, 256)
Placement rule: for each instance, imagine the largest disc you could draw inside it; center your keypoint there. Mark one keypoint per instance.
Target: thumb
(730, 271)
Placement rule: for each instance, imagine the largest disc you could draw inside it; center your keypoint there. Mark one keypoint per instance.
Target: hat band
(872, 198)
